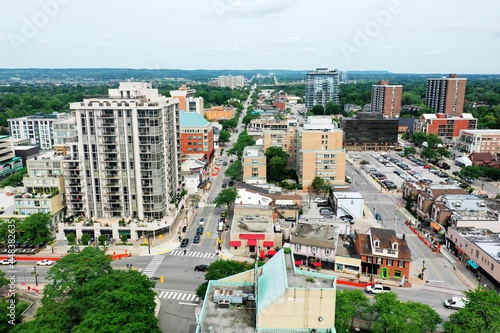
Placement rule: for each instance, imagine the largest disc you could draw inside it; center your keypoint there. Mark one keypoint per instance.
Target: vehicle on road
(45, 262)
(219, 163)
(319, 200)
(456, 302)
(224, 163)
(8, 261)
(199, 231)
(378, 217)
(196, 239)
(184, 228)
(223, 214)
(224, 185)
(322, 204)
(290, 219)
(377, 289)
(356, 157)
(231, 183)
(231, 161)
(201, 268)
(184, 242)
(202, 221)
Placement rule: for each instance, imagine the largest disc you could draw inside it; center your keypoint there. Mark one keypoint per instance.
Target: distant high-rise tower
(322, 86)
(386, 99)
(446, 95)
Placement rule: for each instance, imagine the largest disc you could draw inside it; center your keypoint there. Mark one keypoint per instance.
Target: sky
(401, 36)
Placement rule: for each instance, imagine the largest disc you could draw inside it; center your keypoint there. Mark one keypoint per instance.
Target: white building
(348, 203)
(126, 163)
(479, 141)
(37, 128)
(231, 81)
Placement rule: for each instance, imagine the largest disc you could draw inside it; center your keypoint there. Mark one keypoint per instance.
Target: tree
(224, 136)
(418, 138)
(71, 238)
(220, 269)
(243, 140)
(318, 110)
(481, 313)
(349, 305)
(429, 153)
(234, 170)
(35, 229)
(195, 199)
(101, 239)
(275, 169)
(433, 140)
(85, 239)
(276, 151)
(472, 171)
(230, 123)
(443, 152)
(226, 197)
(319, 184)
(14, 180)
(124, 238)
(410, 151)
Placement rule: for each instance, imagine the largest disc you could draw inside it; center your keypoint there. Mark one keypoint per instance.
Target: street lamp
(423, 269)
(36, 275)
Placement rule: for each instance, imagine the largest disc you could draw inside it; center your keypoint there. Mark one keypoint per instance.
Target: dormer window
(376, 243)
(395, 246)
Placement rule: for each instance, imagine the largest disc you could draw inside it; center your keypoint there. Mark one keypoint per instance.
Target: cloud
(461, 24)
(389, 47)
(289, 40)
(104, 45)
(433, 52)
(42, 42)
(309, 50)
(258, 8)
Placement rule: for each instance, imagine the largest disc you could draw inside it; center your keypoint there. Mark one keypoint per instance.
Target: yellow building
(219, 112)
(276, 297)
(254, 165)
(315, 150)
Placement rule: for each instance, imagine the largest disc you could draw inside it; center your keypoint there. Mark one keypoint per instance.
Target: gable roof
(481, 157)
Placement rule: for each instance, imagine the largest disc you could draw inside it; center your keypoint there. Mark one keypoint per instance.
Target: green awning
(123, 232)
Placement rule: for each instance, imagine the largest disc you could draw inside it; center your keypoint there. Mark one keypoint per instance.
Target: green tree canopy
(224, 136)
(275, 169)
(220, 269)
(226, 197)
(318, 110)
(319, 184)
(433, 140)
(276, 151)
(481, 314)
(472, 171)
(410, 151)
(350, 304)
(418, 138)
(234, 170)
(243, 140)
(429, 153)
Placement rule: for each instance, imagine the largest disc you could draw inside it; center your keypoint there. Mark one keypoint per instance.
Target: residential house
(427, 197)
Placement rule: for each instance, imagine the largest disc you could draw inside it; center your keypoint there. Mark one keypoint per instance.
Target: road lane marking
(195, 304)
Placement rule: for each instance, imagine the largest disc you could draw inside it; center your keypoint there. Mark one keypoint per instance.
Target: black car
(201, 268)
(290, 219)
(196, 239)
(231, 183)
(199, 231)
(184, 242)
(224, 185)
(184, 228)
(322, 204)
(231, 161)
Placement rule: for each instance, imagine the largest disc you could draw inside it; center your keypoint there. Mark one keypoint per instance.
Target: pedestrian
(185, 251)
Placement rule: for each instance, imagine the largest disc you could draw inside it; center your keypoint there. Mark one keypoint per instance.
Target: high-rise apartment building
(231, 81)
(37, 128)
(126, 162)
(446, 95)
(187, 101)
(322, 86)
(315, 149)
(386, 99)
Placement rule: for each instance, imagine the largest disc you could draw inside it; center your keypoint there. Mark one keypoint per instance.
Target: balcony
(106, 133)
(106, 124)
(112, 175)
(112, 192)
(106, 115)
(113, 183)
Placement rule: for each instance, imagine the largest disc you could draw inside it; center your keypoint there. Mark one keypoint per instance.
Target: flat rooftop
(238, 318)
(248, 219)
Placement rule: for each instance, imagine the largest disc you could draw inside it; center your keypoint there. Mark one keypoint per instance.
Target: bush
(124, 238)
(287, 250)
(364, 162)
(85, 239)
(71, 238)
(310, 279)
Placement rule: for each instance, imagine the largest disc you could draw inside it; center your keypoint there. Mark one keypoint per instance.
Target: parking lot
(398, 169)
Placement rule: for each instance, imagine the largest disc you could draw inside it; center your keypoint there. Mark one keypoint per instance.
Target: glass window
(397, 274)
(389, 262)
(189, 149)
(297, 247)
(189, 137)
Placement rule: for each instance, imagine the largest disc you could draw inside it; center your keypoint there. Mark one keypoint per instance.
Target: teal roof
(192, 119)
(272, 283)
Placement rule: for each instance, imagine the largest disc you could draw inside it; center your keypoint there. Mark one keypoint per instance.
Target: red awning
(262, 254)
(272, 253)
(235, 243)
(317, 264)
(268, 244)
(298, 262)
(252, 242)
(252, 236)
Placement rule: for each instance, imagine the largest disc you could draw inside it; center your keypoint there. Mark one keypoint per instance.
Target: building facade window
(297, 247)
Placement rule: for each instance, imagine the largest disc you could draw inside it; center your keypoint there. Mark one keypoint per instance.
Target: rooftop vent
(458, 204)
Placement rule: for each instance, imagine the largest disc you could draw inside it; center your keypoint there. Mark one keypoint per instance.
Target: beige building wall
(254, 169)
(245, 277)
(299, 309)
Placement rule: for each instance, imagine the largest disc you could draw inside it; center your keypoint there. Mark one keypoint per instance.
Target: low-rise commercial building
(479, 141)
(219, 113)
(443, 126)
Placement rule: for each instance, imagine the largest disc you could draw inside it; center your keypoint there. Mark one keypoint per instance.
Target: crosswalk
(192, 254)
(178, 295)
(208, 205)
(153, 265)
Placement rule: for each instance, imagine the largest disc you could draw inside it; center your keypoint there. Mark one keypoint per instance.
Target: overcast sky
(403, 36)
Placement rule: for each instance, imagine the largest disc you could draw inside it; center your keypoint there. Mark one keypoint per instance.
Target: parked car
(377, 289)
(456, 302)
(184, 242)
(224, 163)
(397, 172)
(45, 262)
(201, 268)
(9, 261)
(196, 239)
(223, 214)
(224, 185)
(231, 183)
(323, 204)
(325, 211)
(378, 217)
(318, 200)
(231, 161)
(184, 228)
(356, 157)
(202, 221)
(199, 231)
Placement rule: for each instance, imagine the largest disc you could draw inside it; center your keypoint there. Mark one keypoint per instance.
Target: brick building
(386, 99)
(197, 134)
(444, 126)
(446, 95)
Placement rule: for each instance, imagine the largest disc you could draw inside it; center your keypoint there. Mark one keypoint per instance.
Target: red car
(427, 167)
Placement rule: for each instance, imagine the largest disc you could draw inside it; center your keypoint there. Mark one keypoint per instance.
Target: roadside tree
(226, 197)
(234, 170)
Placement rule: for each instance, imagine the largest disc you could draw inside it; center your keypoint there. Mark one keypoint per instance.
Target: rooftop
(249, 219)
(324, 236)
(192, 119)
(482, 132)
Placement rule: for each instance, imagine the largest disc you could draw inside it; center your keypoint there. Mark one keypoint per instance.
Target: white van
(456, 302)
